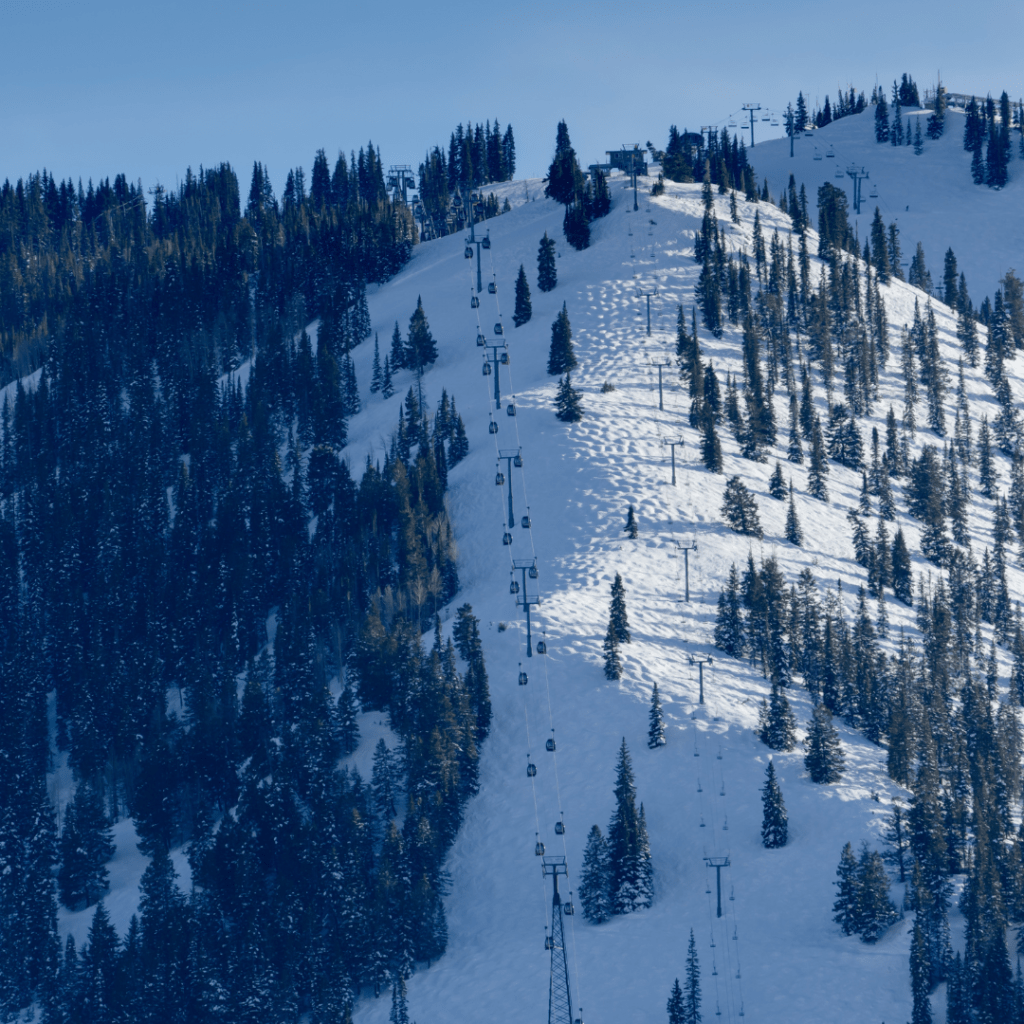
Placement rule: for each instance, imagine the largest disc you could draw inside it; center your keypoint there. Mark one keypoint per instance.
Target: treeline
(988, 127)
(194, 256)
(584, 200)
(800, 118)
(186, 564)
(722, 160)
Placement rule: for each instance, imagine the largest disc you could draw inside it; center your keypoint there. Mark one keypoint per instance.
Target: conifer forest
(435, 593)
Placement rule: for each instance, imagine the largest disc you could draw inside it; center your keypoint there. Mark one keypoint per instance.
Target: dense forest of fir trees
(934, 700)
(163, 521)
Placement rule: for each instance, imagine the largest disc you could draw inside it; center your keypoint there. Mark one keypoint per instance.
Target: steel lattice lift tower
(559, 998)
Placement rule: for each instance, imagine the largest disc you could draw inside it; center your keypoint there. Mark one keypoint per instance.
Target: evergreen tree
(739, 508)
(675, 1005)
(777, 484)
(898, 839)
(710, 446)
(875, 911)
(920, 978)
(794, 533)
(612, 658)
(547, 275)
(775, 821)
(816, 478)
(524, 308)
(576, 223)
(348, 724)
(377, 376)
(398, 350)
(824, 759)
(561, 357)
(629, 860)
(593, 890)
(776, 725)
(86, 845)
(564, 182)
(385, 778)
(902, 577)
(387, 387)
(631, 529)
(656, 727)
(845, 908)
(729, 631)
(568, 405)
(422, 349)
(618, 621)
(691, 993)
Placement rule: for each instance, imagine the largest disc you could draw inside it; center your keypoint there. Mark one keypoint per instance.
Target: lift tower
(559, 996)
(528, 567)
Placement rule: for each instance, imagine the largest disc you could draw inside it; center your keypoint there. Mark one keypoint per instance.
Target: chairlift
(474, 303)
(506, 539)
(702, 825)
(549, 746)
(559, 828)
(486, 243)
(531, 770)
(499, 479)
(568, 909)
(492, 288)
(517, 461)
(468, 252)
(765, 118)
(510, 410)
(513, 587)
(830, 153)
(725, 827)
(504, 362)
(817, 155)
(775, 122)
(498, 329)
(523, 679)
(526, 524)
(874, 192)
(487, 372)
(533, 573)
(732, 124)
(732, 896)
(542, 647)
(718, 1009)
(539, 849)
(480, 339)
(712, 940)
(492, 427)
(549, 943)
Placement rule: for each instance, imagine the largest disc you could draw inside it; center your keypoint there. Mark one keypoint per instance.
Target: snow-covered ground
(777, 953)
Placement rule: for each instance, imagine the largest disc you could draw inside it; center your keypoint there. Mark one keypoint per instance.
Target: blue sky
(93, 89)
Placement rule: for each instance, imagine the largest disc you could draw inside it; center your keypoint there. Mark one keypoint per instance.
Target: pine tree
(675, 1004)
(86, 845)
(377, 377)
(902, 577)
(710, 446)
(776, 725)
(844, 910)
(612, 658)
(920, 978)
(691, 992)
(422, 349)
(794, 533)
(629, 862)
(631, 529)
(875, 911)
(561, 357)
(824, 759)
(618, 621)
(398, 350)
(387, 387)
(524, 308)
(775, 821)
(385, 777)
(777, 484)
(593, 890)
(348, 723)
(399, 1010)
(816, 478)
(568, 404)
(656, 726)
(739, 507)
(794, 452)
(897, 837)
(547, 274)
(729, 630)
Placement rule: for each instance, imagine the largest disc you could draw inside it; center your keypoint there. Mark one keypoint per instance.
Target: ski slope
(931, 197)
(577, 481)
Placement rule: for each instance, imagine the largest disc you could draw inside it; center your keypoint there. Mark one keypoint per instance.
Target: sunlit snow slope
(778, 955)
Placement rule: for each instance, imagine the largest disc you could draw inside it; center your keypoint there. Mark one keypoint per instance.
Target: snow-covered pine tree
(631, 529)
(568, 404)
(617, 617)
(524, 307)
(777, 483)
(348, 724)
(740, 509)
(656, 725)
(710, 446)
(612, 658)
(377, 376)
(397, 350)
(896, 835)
(844, 910)
(794, 533)
(547, 275)
(593, 890)
(387, 387)
(875, 911)
(629, 861)
(675, 1004)
(561, 357)
(384, 780)
(795, 451)
(691, 991)
(776, 725)
(818, 474)
(920, 979)
(86, 844)
(775, 821)
(824, 759)
(730, 636)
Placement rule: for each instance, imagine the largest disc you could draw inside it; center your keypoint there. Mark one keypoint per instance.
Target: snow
(577, 482)
(931, 196)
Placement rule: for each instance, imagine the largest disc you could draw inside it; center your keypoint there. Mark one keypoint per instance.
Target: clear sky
(90, 89)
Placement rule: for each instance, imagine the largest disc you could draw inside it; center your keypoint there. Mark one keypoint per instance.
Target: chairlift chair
(542, 648)
(506, 539)
(765, 118)
(559, 828)
(504, 361)
(474, 303)
(513, 587)
(549, 943)
(539, 849)
(492, 288)
(526, 524)
(517, 461)
(523, 679)
(839, 173)
(549, 746)
(568, 909)
(499, 479)
(498, 329)
(531, 770)
(817, 155)
(533, 574)
(480, 339)
(874, 192)
(510, 409)
(492, 427)
(830, 153)
(487, 372)
(486, 243)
